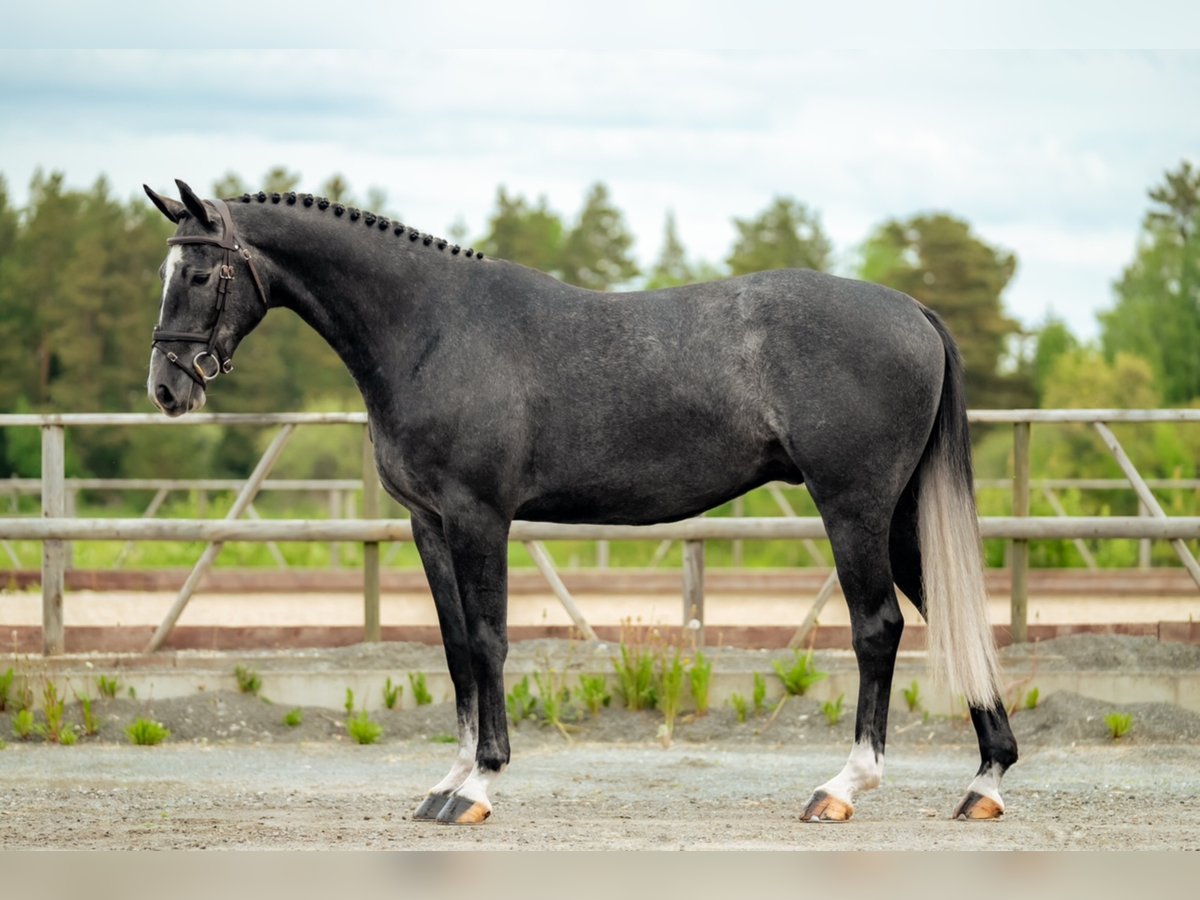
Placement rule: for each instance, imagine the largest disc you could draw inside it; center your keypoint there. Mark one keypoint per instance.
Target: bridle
(198, 370)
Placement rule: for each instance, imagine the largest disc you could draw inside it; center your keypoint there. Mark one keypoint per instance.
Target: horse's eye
(200, 278)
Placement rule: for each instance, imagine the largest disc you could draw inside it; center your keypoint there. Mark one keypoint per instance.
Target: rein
(198, 371)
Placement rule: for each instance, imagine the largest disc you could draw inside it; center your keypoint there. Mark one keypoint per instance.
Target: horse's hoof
(977, 806)
(461, 811)
(430, 807)
(824, 808)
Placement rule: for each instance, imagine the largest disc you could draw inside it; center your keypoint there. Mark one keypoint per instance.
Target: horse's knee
(877, 634)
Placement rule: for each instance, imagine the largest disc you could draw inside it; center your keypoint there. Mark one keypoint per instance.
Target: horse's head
(212, 298)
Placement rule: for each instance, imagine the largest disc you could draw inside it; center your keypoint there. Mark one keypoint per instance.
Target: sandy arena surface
(232, 775)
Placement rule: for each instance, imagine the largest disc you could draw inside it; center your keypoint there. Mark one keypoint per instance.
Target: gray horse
(495, 392)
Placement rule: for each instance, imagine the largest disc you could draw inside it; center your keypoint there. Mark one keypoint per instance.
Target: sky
(1047, 154)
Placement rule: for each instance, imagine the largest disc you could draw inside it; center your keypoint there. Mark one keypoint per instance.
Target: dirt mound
(1105, 651)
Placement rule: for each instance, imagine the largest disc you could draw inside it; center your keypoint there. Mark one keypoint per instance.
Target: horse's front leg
(477, 538)
(430, 539)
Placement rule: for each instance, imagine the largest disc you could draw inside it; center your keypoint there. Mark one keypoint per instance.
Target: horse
(495, 392)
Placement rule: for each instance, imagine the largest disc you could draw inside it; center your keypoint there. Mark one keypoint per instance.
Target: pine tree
(672, 268)
(937, 260)
(596, 252)
(525, 234)
(1157, 313)
(786, 235)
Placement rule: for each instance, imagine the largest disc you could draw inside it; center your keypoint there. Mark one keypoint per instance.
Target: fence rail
(58, 525)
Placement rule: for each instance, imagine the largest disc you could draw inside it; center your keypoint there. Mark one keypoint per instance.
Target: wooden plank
(54, 554)
(1146, 496)
(810, 620)
(693, 589)
(370, 476)
(210, 553)
(381, 530)
(1019, 553)
(1088, 559)
(545, 565)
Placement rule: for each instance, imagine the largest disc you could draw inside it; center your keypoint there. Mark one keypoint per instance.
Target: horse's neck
(353, 287)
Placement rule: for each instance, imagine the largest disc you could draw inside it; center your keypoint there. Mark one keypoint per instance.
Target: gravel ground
(232, 775)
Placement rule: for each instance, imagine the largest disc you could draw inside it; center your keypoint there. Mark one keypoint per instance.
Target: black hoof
(461, 811)
(431, 806)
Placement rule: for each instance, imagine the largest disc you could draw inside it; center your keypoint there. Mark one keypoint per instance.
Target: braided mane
(370, 219)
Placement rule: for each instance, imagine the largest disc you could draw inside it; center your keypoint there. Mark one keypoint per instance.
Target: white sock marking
(463, 766)
(987, 784)
(862, 772)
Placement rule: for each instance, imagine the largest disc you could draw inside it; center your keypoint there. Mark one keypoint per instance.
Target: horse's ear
(172, 209)
(194, 204)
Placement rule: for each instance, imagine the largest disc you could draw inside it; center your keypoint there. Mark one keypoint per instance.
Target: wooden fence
(56, 526)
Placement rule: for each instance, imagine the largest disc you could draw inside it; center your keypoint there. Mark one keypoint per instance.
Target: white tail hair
(962, 651)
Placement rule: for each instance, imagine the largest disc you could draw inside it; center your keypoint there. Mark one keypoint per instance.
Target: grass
(54, 710)
(741, 707)
(91, 725)
(362, 730)
(832, 710)
(760, 693)
(800, 675)
(147, 732)
(248, 680)
(293, 718)
(635, 677)
(670, 694)
(554, 697)
(1031, 699)
(391, 693)
(521, 702)
(912, 697)
(349, 704)
(700, 676)
(443, 739)
(108, 687)
(592, 693)
(420, 692)
(1119, 724)
(22, 724)
(6, 681)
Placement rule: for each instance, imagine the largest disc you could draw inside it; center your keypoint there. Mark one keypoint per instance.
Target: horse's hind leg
(860, 550)
(997, 746)
(435, 555)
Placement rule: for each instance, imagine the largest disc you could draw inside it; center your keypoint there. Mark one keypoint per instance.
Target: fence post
(1019, 558)
(54, 553)
(370, 510)
(1144, 544)
(693, 586)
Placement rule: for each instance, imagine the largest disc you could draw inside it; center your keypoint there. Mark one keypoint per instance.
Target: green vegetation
(592, 693)
(635, 676)
(670, 694)
(146, 732)
(741, 707)
(391, 693)
(800, 675)
(22, 724)
(832, 710)
(760, 692)
(362, 730)
(91, 725)
(443, 739)
(6, 681)
(420, 692)
(293, 718)
(107, 687)
(700, 675)
(348, 705)
(521, 702)
(54, 711)
(1119, 724)
(248, 680)
(912, 697)
(1031, 699)
(554, 697)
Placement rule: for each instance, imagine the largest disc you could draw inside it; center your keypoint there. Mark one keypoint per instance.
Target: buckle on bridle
(226, 272)
(198, 365)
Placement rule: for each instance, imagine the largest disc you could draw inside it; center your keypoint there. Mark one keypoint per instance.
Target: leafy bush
(147, 732)
(362, 730)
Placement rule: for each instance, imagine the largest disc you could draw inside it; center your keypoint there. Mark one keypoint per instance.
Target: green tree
(936, 259)
(596, 251)
(786, 235)
(1053, 339)
(336, 189)
(523, 233)
(1157, 313)
(672, 267)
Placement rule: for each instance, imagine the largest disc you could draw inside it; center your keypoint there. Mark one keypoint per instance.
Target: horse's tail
(961, 646)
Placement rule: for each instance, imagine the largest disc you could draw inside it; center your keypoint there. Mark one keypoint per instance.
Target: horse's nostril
(164, 395)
